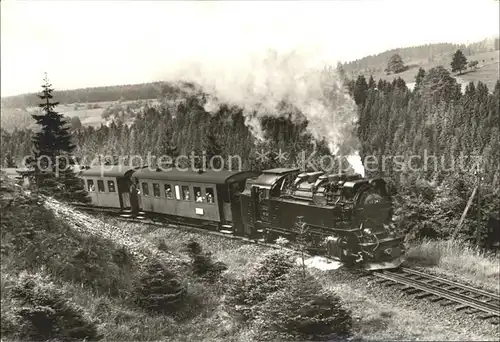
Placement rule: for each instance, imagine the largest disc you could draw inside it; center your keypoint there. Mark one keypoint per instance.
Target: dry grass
(459, 260)
(487, 72)
(383, 314)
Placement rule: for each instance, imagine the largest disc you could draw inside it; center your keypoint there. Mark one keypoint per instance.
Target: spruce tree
(166, 148)
(419, 78)
(53, 150)
(9, 161)
(459, 62)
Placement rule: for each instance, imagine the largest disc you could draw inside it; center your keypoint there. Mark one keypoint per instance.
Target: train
(344, 217)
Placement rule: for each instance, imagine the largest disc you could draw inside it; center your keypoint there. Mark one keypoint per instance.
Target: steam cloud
(262, 84)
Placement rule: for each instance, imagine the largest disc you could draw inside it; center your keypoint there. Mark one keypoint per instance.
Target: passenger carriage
(108, 186)
(208, 198)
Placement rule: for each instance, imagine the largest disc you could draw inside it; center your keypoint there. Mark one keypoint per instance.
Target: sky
(95, 43)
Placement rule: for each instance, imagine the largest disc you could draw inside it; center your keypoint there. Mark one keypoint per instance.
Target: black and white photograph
(250, 170)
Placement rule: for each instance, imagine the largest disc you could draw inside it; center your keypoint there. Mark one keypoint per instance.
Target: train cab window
(90, 185)
(145, 189)
(197, 194)
(186, 196)
(100, 186)
(209, 195)
(156, 190)
(168, 191)
(177, 192)
(111, 186)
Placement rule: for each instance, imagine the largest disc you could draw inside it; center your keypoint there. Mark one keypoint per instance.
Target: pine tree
(211, 145)
(165, 146)
(53, 149)
(419, 78)
(459, 62)
(395, 65)
(9, 161)
(371, 83)
(360, 91)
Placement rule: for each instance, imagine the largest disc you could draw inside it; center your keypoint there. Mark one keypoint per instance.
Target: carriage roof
(208, 176)
(109, 171)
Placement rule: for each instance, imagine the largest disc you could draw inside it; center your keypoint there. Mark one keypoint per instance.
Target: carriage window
(156, 190)
(177, 192)
(185, 193)
(100, 186)
(168, 191)
(145, 189)
(210, 195)
(90, 185)
(111, 186)
(197, 194)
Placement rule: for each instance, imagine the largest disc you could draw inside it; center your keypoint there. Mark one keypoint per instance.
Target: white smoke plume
(259, 84)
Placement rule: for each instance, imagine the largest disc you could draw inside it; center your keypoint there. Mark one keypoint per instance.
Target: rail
(439, 289)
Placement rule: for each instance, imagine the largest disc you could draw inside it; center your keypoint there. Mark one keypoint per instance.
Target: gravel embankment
(85, 223)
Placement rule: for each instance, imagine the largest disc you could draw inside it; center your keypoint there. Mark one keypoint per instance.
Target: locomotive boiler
(346, 217)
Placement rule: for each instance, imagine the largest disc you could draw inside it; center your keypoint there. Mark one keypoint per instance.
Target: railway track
(162, 223)
(445, 292)
(442, 291)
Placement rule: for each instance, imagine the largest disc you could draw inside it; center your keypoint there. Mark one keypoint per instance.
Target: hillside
(92, 278)
(89, 104)
(486, 52)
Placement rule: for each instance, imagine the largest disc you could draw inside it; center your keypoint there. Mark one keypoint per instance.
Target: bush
(159, 290)
(265, 278)
(43, 312)
(302, 309)
(202, 264)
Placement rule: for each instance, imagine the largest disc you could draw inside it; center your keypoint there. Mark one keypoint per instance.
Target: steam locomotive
(347, 216)
(343, 216)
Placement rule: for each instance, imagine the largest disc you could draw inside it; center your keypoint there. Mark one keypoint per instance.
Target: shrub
(159, 290)
(44, 313)
(266, 277)
(202, 263)
(302, 309)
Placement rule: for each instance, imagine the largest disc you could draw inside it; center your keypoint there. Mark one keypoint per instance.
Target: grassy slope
(459, 261)
(21, 118)
(378, 315)
(487, 73)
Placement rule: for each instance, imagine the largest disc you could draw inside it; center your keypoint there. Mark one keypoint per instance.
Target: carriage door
(124, 192)
(234, 195)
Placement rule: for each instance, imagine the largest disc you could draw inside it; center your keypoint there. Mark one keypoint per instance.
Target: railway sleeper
(407, 288)
(414, 291)
(447, 302)
(424, 295)
(472, 311)
(462, 307)
(391, 284)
